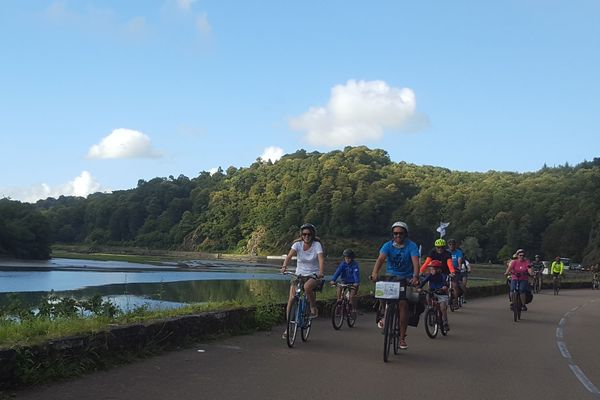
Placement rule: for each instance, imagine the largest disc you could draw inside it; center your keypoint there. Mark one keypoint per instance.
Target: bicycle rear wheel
(306, 321)
(337, 315)
(441, 324)
(431, 323)
(292, 324)
(388, 329)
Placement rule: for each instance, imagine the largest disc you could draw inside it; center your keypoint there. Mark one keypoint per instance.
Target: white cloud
(202, 24)
(213, 171)
(272, 153)
(123, 143)
(82, 185)
(357, 112)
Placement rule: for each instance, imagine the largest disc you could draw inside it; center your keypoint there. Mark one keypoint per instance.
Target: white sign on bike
(388, 290)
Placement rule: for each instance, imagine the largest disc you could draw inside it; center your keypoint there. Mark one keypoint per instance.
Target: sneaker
(446, 326)
(313, 313)
(284, 336)
(403, 344)
(524, 308)
(380, 324)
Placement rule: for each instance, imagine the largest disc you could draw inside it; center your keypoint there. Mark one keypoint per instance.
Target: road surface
(552, 353)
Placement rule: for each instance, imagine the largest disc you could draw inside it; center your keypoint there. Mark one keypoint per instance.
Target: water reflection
(133, 285)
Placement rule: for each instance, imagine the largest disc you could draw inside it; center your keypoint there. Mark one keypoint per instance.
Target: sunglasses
(306, 234)
(401, 233)
(521, 255)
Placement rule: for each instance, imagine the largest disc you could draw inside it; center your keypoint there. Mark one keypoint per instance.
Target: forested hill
(352, 196)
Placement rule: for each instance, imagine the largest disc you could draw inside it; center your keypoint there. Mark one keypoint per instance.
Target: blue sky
(95, 95)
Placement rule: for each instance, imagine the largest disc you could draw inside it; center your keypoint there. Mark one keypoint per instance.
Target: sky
(96, 95)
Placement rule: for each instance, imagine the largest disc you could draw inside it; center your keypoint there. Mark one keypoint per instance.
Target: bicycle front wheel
(306, 321)
(431, 323)
(452, 301)
(388, 329)
(292, 324)
(337, 315)
(516, 306)
(351, 315)
(396, 336)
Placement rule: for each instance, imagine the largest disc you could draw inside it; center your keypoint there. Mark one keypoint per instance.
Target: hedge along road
(552, 353)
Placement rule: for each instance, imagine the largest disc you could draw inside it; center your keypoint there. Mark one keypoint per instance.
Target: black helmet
(310, 227)
(348, 253)
(451, 241)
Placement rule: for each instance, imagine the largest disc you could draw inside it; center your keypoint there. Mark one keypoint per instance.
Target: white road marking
(584, 379)
(562, 347)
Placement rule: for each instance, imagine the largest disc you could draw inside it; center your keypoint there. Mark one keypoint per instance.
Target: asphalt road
(552, 353)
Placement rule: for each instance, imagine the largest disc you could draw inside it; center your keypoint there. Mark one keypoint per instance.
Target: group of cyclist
(444, 266)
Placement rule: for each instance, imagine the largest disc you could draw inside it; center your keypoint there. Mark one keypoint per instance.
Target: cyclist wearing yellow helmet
(441, 254)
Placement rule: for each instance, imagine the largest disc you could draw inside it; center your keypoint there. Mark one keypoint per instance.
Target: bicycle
(434, 320)
(391, 292)
(299, 313)
(343, 308)
(537, 281)
(556, 283)
(596, 281)
(516, 303)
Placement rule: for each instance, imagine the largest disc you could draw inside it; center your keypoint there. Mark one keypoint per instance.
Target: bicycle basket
(389, 290)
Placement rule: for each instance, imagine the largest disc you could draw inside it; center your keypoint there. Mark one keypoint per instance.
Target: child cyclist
(438, 286)
(349, 272)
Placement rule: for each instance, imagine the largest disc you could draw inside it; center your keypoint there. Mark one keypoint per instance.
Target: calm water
(169, 285)
(129, 285)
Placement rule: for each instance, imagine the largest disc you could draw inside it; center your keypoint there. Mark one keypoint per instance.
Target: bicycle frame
(433, 316)
(391, 327)
(343, 308)
(298, 315)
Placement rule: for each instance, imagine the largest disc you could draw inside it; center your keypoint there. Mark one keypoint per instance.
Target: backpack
(528, 294)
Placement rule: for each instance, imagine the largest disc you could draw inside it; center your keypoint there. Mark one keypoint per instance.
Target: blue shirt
(399, 259)
(350, 272)
(456, 254)
(436, 281)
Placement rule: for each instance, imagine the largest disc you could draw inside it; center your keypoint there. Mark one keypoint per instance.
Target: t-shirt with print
(399, 259)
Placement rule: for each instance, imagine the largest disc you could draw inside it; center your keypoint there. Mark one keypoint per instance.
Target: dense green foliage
(24, 231)
(352, 196)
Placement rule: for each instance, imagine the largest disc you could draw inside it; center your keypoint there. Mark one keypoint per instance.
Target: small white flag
(442, 228)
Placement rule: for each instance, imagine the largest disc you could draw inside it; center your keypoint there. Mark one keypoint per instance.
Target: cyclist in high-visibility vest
(558, 267)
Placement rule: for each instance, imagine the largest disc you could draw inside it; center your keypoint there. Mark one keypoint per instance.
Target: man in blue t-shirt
(401, 256)
(458, 259)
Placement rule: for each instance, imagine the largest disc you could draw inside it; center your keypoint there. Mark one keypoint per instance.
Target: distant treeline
(352, 196)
